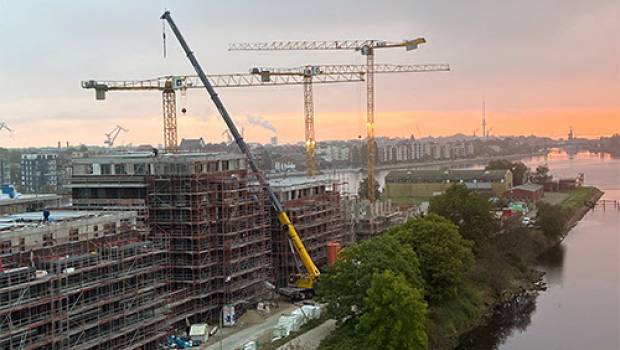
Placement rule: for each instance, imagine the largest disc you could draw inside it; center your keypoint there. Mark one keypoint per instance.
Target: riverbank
(524, 279)
(455, 163)
(503, 274)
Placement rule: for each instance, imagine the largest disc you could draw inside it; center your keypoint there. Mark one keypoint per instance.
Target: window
(22, 244)
(109, 229)
(119, 169)
(74, 234)
(96, 231)
(106, 169)
(48, 239)
(5, 247)
(139, 169)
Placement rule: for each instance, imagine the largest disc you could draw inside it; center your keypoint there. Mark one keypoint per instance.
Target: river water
(581, 307)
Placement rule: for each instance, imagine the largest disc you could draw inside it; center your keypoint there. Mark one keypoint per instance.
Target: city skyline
(539, 75)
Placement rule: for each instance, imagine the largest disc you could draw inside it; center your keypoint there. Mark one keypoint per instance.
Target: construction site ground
(250, 326)
(311, 339)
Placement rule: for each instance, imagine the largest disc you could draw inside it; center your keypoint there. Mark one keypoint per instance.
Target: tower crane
(366, 48)
(308, 72)
(168, 85)
(112, 135)
(3, 125)
(304, 285)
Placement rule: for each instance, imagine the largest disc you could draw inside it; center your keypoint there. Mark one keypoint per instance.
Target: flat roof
(422, 176)
(166, 157)
(34, 218)
(297, 182)
(29, 198)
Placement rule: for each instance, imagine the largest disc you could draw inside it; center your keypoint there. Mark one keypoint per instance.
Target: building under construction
(374, 219)
(319, 216)
(213, 224)
(86, 280)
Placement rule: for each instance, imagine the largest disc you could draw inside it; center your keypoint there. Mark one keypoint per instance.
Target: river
(581, 308)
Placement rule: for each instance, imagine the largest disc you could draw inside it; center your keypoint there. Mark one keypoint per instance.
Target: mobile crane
(112, 135)
(304, 283)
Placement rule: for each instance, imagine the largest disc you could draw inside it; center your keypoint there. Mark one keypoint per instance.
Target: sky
(542, 66)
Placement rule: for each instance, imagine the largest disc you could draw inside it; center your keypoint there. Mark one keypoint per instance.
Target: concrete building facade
(39, 173)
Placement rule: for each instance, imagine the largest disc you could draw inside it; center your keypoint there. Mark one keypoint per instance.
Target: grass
(577, 198)
(409, 200)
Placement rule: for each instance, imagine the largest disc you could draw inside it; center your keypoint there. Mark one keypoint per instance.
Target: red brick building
(530, 193)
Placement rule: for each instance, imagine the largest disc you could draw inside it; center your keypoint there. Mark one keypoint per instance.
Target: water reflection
(552, 262)
(580, 308)
(506, 320)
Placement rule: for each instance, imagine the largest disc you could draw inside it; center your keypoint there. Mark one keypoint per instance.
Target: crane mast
(309, 72)
(312, 272)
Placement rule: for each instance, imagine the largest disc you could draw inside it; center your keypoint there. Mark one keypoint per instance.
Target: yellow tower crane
(310, 71)
(168, 85)
(366, 48)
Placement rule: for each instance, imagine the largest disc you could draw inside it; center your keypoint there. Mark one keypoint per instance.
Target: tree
(468, 210)
(445, 256)
(344, 285)
(551, 219)
(518, 169)
(542, 172)
(362, 191)
(394, 314)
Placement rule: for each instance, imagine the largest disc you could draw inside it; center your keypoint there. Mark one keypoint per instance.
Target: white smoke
(260, 121)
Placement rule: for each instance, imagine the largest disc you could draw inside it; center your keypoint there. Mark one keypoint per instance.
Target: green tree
(542, 171)
(518, 169)
(394, 314)
(362, 191)
(468, 210)
(344, 285)
(551, 219)
(445, 256)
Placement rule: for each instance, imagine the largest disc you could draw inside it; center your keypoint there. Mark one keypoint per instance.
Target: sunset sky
(542, 66)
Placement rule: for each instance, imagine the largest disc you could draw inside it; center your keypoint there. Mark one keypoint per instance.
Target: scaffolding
(88, 293)
(215, 228)
(319, 218)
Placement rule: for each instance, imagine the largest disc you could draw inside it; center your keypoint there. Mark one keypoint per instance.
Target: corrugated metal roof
(528, 187)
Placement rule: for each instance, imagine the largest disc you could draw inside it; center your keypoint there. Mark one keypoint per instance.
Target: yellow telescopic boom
(312, 272)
